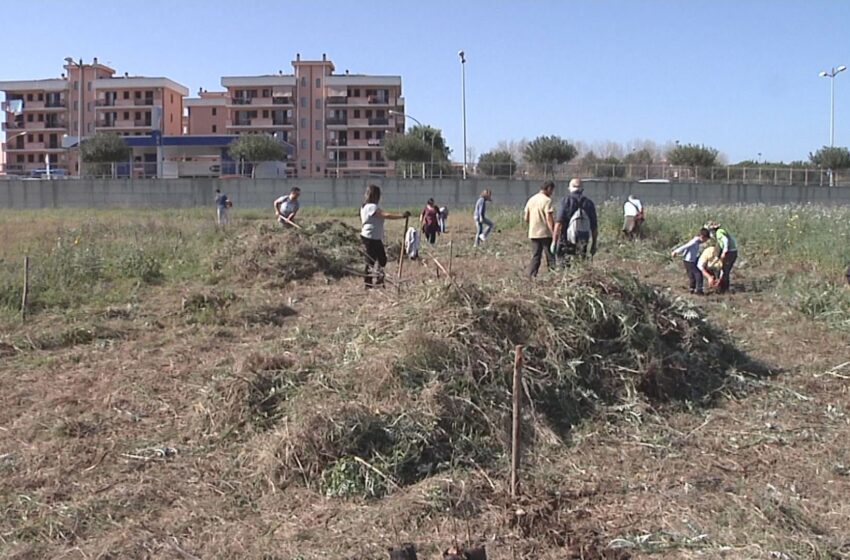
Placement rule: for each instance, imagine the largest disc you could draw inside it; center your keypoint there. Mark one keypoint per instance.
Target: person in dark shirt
(222, 204)
(428, 219)
(576, 225)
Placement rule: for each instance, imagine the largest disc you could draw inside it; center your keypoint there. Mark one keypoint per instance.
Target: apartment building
(335, 123)
(43, 117)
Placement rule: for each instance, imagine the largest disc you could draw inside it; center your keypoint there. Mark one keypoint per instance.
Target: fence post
(515, 431)
(25, 294)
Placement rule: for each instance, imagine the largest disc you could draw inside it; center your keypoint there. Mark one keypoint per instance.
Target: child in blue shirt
(690, 256)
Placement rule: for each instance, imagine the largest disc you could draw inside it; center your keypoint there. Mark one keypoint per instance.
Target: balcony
(379, 121)
(13, 125)
(147, 101)
(341, 142)
(288, 100)
(336, 121)
(282, 122)
(337, 164)
(337, 100)
(382, 164)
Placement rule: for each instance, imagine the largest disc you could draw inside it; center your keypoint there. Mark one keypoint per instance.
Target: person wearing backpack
(576, 225)
(633, 217)
(538, 214)
(728, 253)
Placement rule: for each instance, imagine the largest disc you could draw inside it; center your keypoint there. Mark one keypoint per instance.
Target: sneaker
(481, 237)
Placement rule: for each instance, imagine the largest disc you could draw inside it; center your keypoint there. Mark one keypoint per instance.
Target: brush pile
(592, 343)
(283, 255)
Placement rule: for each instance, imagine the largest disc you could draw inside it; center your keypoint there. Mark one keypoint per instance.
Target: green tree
(545, 151)
(831, 158)
(101, 151)
(693, 155)
(256, 148)
(429, 134)
(407, 148)
(497, 163)
(639, 157)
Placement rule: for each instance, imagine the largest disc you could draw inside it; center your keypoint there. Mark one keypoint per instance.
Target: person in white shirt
(633, 216)
(372, 235)
(287, 206)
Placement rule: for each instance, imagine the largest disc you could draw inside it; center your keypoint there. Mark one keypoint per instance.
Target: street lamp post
(831, 75)
(79, 65)
(433, 136)
(462, 56)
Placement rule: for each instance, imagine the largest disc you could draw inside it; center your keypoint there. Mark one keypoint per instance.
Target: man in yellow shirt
(539, 215)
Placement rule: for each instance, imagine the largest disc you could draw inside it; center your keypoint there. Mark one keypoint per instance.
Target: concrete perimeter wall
(329, 193)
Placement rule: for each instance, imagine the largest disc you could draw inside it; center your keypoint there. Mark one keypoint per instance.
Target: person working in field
(633, 216)
(483, 225)
(539, 215)
(709, 265)
(576, 225)
(286, 207)
(728, 253)
(372, 235)
(429, 220)
(222, 206)
(690, 255)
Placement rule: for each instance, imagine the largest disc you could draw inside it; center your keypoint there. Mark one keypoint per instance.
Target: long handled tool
(402, 251)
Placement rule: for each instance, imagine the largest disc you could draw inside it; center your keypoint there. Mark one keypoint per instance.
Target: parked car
(54, 174)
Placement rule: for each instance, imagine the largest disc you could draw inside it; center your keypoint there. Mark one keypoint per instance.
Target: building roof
(205, 101)
(362, 80)
(122, 82)
(53, 84)
(258, 81)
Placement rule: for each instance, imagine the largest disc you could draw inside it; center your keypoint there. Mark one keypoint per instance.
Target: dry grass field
(179, 392)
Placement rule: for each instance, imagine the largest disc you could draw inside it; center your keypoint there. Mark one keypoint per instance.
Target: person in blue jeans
(690, 256)
(483, 225)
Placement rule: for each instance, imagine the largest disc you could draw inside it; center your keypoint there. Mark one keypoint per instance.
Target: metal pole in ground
(25, 293)
(515, 432)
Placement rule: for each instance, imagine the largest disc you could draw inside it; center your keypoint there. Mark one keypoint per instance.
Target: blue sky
(738, 75)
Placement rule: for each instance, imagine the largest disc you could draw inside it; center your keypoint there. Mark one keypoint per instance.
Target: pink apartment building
(335, 123)
(40, 113)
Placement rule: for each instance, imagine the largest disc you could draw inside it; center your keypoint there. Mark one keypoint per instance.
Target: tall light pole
(462, 56)
(79, 65)
(417, 121)
(831, 75)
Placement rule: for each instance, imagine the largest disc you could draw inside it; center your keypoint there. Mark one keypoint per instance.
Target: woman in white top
(372, 235)
(633, 217)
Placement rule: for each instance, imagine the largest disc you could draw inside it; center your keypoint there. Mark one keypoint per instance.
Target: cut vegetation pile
(283, 255)
(435, 395)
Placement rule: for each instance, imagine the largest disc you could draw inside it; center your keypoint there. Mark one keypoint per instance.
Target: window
(304, 144)
(138, 95)
(318, 103)
(303, 122)
(214, 129)
(214, 111)
(88, 128)
(41, 137)
(356, 93)
(318, 82)
(76, 85)
(31, 158)
(126, 95)
(29, 97)
(318, 168)
(303, 81)
(29, 138)
(21, 158)
(303, 164)
(40, 117)
(88, 86)
(357, 135)
(357, 113)
(90, 105)
(318, 145)
(172, 118)
(30, 117)
(368, 156)
(267, 93)
(369, 113)
(138, 115)
(266, 114)
(172, 98)
(126, 115)
(368, 135)
(76, 105)
(304, 102)
(356, 156)
(41, 97)
(318, 125)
